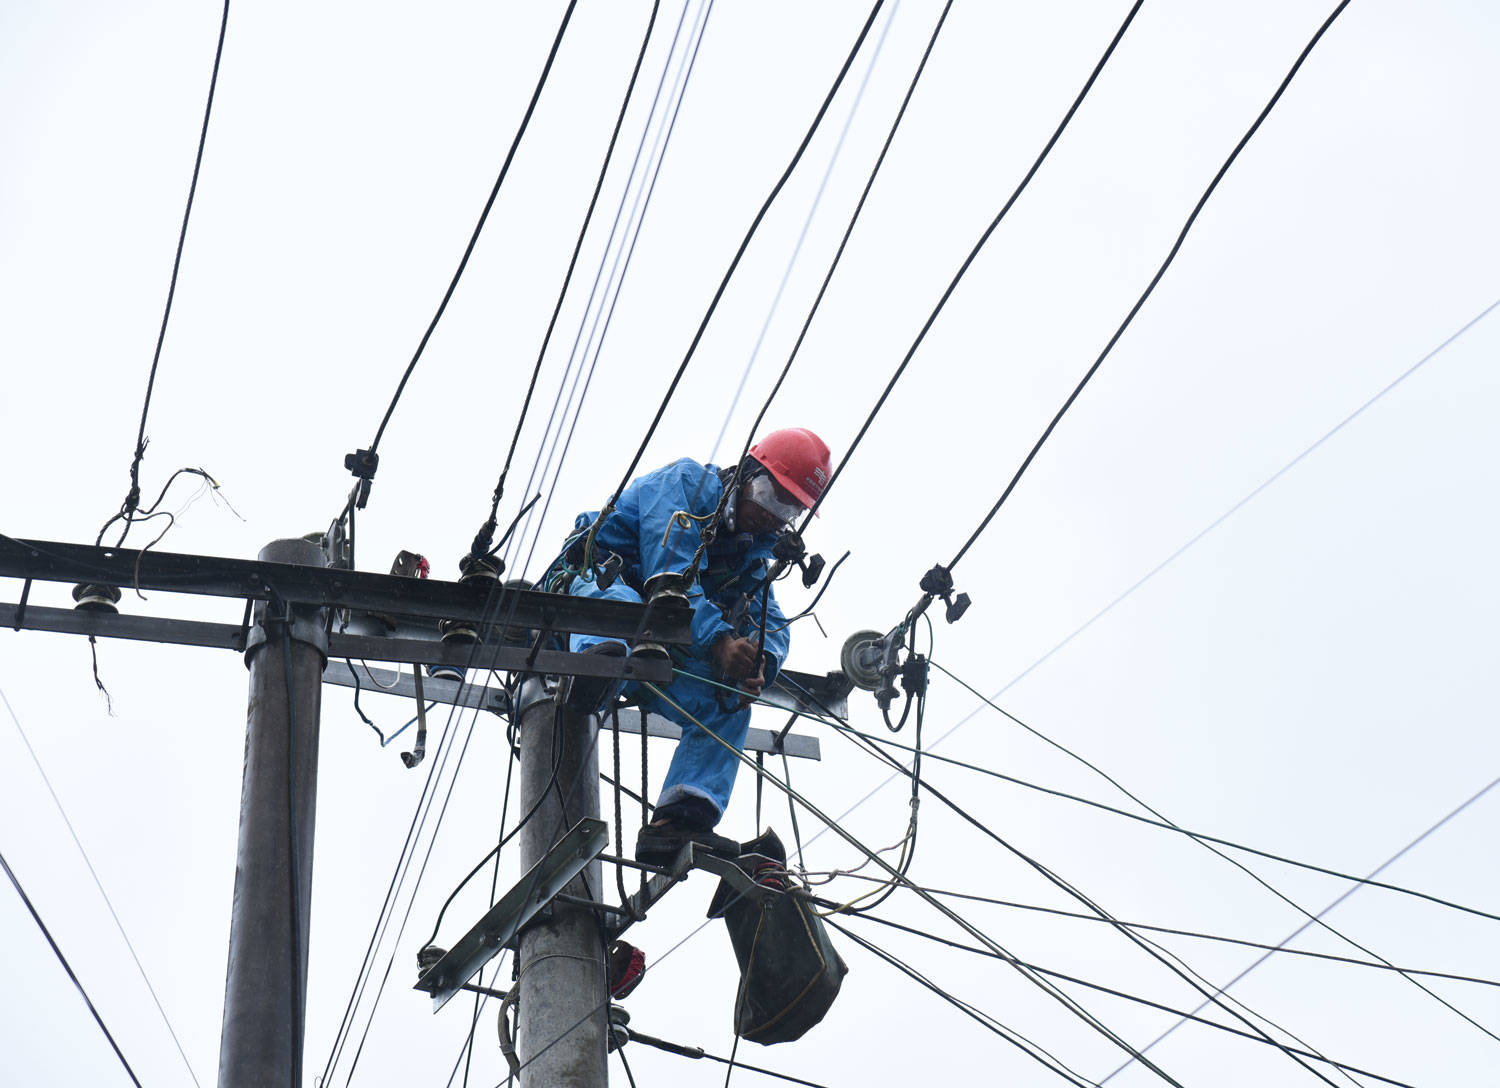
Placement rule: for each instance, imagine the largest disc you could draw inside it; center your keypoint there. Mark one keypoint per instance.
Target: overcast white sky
(1314, 677)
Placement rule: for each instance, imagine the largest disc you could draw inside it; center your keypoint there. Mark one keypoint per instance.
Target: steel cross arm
(228, 636)
(330, 587)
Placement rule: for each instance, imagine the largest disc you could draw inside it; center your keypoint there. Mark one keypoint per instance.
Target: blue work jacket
(656, 527)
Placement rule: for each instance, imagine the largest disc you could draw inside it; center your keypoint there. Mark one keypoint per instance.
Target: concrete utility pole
(563, 1009)
(266, 986)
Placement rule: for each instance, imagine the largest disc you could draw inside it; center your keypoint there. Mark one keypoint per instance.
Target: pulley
(861, 659)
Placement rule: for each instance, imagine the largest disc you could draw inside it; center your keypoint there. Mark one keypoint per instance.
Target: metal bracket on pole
(504, 920)
(690, 857)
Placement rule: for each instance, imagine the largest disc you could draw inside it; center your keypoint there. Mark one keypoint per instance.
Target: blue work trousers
(702, 766)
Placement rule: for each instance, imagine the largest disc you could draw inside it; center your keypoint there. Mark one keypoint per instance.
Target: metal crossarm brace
(690, 857)
(500, 924)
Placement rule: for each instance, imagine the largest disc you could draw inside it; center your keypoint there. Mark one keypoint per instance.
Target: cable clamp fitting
(938, 582)
(362, 464)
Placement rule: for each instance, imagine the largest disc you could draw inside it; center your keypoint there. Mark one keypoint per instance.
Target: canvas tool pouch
(789, 970)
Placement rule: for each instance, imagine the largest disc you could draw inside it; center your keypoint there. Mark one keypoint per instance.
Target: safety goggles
(763, 490)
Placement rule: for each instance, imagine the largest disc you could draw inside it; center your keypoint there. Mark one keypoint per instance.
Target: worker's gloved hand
(736, 658)
(751, 685)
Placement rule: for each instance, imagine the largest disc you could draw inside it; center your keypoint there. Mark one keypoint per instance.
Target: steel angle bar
(810, 693)
(690, 857)
(216, 576)
(757, 740)
(573, 852)
(486, 656)
(72, 621)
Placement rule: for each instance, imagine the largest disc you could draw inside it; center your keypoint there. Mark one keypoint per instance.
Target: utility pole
(563, 1006)
(266, 985)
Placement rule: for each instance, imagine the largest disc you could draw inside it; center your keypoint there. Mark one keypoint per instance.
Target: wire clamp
(362, 464)
(938, 582)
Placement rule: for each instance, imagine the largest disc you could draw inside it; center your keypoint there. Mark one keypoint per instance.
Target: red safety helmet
(798, 460)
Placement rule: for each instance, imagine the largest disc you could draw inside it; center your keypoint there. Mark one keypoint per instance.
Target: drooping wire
(1207, 842)
(1164, 823)
(1020, 1042)
(56, 951)
(974, 253)
(120, 926)
(968, 927)
(1068, 888)
(1150, 287)
(1354, 888)
(463, 263)
(1340, 1067)
(482, 540)
(133, 496)
(1171, 931)
(729, 273)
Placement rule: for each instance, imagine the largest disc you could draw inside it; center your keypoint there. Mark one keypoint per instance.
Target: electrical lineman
(710, 534)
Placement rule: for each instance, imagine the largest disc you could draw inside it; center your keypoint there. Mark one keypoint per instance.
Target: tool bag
(789, 970)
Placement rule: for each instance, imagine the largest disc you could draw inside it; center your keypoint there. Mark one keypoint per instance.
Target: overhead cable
(1151, 286)
(37, 918)
(1146, 946)
(619, 267)
(1170, 931)
(133, 496)
(974, 253)
(1020, 1042)
(463, 263)
(734, 264)
(1339, 1066)
(1161, 566)
(482, 541)
(807, 222)
(968, 927)
(1168, 825)
(140, 968)
(859, 207)
(1299, 930)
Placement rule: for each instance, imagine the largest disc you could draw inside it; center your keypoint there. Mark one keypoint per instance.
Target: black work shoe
(659, 844)
(590, 694)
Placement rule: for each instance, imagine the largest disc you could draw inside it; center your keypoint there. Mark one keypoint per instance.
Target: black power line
(133, 497)
(463, 263)
(1340, 1066)
(37, 918)
(974, 253)
(1026, 1046)
(1150, 287)
(1080, 916)
(1167, 825)
(1070, 889)
(482, 540)
(1207, 842)
(735, 262)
